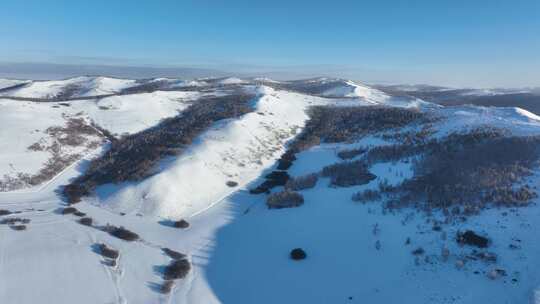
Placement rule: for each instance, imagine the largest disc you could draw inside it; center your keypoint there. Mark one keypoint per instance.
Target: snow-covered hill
(33, 133)
(381, 248)
(73, 87)
(9, 83)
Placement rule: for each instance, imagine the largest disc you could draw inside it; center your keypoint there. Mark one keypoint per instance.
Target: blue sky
(474, 42)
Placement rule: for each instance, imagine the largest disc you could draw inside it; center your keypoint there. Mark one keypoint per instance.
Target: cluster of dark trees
(339, 124)
(411, 137)
(121, 233)
(351, 153)
(14, 220)
(67, 92)
(106, 251)
(144, 87)
(466, 169)
(178, 268)
(87, 221)
(302, 182)
(368, 195)
(133, 157)
(390, 153)
(310, 87)
(175, 255)
(273, 179)
(477, 172)
(349, 173)
(284, 199)
(471, 238)
(342, 124)
(510, 196)
(462, 172)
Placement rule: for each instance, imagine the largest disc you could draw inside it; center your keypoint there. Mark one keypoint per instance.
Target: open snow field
(356, 253)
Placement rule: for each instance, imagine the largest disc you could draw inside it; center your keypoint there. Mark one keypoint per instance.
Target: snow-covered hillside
(73, 87)
(32, 134)
(8, 83)
(377, 249)
(236, 150)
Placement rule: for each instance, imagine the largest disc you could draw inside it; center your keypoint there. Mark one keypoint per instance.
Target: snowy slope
(128, 114)
(237, 246)
(33, 137)
(355, 90)
(519, 121)
(236, 151)
(28, 123)
(104, 86)
(6, 83)
(82, 87)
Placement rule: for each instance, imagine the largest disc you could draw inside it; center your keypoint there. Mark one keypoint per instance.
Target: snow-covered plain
(239, 248)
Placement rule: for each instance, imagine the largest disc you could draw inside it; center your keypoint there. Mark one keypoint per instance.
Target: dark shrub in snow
(4, 212)
(68, 210)
(107, 252)
(181, 224)
(286, 160)
(87, 221)
(18, 227)
(298, 254)
(78, 213)
(302, 182)
(74, 192)
(284, 164)
(280, 178)
(232, 184)
(175, 255)
(418, 251)
(109, 262)
(274, 179)
(121, 233)
(348, 174)
(470, 238)
(166, 287)
(284, 199)
(264, 187)
(14, 221)
(177, 269)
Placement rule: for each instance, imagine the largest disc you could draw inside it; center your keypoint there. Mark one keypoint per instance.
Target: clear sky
(456, 42)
